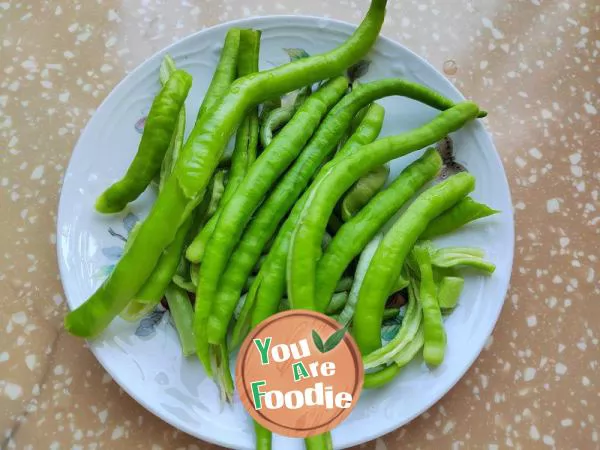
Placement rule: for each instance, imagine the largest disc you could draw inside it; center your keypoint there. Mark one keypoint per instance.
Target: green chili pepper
(263, 437)
(338, 178)
(164, 272)
(158, 130)
(165, 269)
(375, 380)
(224, 75)
(201, 154)
(156, 232)
(167, 68)
(243, 157)
(393, 251)
(319, 442)
(292, 185)
(155, 287)
(433, 327)
(467, 210)
(211, 134)
(237, 212)
(364, 132)
(196, 248)
(273, 281)
(246, 142)
(271, 164)
(183, 316)
(356, 233)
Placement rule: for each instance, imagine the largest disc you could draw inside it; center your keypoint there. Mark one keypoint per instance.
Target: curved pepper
(158, 130)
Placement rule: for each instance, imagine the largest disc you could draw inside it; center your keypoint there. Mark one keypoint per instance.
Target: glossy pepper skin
(203, 149)
(225, 73)
(260, 178)
(245, 149)
(375, 380)
(200, 156)
(265, 222)
(242, 159)
(328, 189)
(393, 251)
(158, 130)
(273, 272)
(158, 231)
(433, 328)
(354, 235)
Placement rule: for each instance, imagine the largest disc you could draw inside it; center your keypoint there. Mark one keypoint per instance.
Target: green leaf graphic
(318, 341)
(333, 340)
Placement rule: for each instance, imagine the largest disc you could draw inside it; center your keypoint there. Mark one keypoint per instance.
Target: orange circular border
(285, 430)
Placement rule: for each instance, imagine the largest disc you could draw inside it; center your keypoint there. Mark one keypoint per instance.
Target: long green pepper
(200, 156)
(433, 327)
(338, 178)
(393, 251)
(266, 298)
(338, 120)
(246, 142)
(354, 235)
(267, 168)
(154, 288)
(154, 234)
(224, 75)
(282, 199)
(203, 150)
(156, 137)
(167, 68)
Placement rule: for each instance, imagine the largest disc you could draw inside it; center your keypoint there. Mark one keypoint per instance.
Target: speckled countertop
(532, 63)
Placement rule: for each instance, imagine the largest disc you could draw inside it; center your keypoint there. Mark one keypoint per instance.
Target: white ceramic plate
(146, 360)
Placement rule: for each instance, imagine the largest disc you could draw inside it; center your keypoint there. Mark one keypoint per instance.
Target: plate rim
(503, 287)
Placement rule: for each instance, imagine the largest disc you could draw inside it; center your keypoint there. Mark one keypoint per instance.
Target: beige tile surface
(533, 64)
